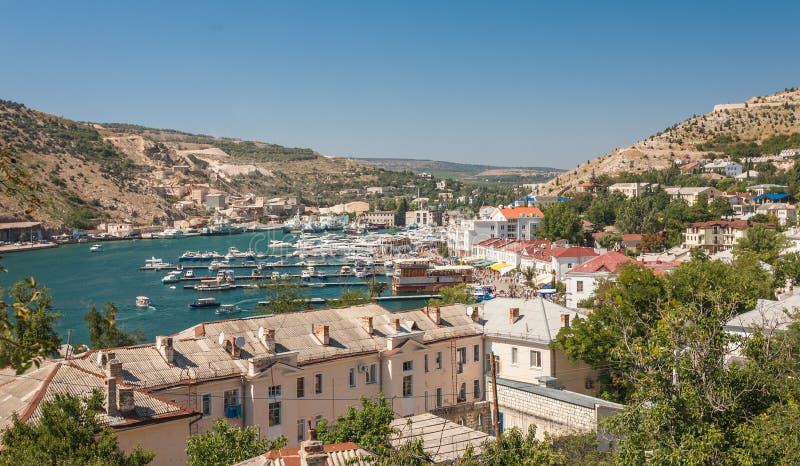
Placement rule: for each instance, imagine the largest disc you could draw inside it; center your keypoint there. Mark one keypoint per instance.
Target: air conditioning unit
(363, 368)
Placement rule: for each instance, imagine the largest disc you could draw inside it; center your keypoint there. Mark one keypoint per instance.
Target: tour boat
(155, 263)
(142, 301)
(228, 309)
(213, 285)
(204, 302)
(418, 275)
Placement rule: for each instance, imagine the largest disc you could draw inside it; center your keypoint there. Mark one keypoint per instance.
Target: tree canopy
(103, 330)
(67, 433)
(225, 445)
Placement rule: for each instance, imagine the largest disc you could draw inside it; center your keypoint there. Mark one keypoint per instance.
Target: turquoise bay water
(78, 279)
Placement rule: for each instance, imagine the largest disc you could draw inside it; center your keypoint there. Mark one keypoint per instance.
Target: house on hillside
(589, 187)
(715, 235)
(785, 213)
(582, 281)
(724, 167)
(691, 194)
(630, 190)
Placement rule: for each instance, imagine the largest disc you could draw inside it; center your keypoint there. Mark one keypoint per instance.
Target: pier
(253, 265)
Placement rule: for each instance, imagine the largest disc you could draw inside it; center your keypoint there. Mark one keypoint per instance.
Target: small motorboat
(306, 274)
(189, 274)
(321, 275)
(204, 302)
(275, 276)
(172, 277)
(345, 270)
(96, 248)
(228, 309)
(142, 301)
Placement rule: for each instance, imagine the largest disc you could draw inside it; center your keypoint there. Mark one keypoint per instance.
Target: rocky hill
(87, 173)
(729, 129)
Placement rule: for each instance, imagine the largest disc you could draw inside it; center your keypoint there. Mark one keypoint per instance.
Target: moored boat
(142, 301)
(204, 302)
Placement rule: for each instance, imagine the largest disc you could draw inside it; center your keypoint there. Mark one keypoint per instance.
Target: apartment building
(692, 194)
(630, 190)
(379, 217)
(582, 281)
(715, 235)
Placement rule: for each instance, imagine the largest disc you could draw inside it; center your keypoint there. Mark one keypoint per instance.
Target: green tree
(765, 242)
(602, 210)
(103, 330)
(529, 273)
(349, 298)
(638, 215)
(561, 222)
(282, 296)
(27, 334)
(367, 426)
(453, 295)
(720, 207)
(516, 448)
(376, 288)
(788, 268)
(67, 433)
(225, 445)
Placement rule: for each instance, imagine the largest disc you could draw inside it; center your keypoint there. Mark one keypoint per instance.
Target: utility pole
(496, 416)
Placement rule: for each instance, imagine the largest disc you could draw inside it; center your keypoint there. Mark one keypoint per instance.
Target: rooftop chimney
(395, 323)
(311, 451)
(230, 346)
(126, 403)
(564, 320)
(435, 315)
(267, 337)
(114, 368)
(111, 396)
(322, 332)
(513, 315)
(164, 345)
(366, 324)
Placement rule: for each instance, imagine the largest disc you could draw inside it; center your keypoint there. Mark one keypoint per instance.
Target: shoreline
(26, 247)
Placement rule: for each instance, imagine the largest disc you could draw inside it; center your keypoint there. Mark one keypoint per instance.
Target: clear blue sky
(509, 83)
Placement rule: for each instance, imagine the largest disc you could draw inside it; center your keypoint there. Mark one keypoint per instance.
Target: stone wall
(476, 416)
(557, 412)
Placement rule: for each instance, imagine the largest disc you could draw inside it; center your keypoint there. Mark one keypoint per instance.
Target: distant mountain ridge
(462, 171)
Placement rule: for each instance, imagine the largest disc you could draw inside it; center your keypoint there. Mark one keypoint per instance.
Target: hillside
(464, 171)
(729, 129)
(88, 173)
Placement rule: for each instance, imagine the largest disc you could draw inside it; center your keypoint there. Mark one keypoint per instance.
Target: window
(301, 430)
(408, 365)
(274, 391)
(462, 355)
(514, 356)
(372, 374)
(536, 358)
(476, 388)
(426, 400)
(408, 386)
(476, 353)
(438, 359)
(301, 387)
(317, 383)
(206, 404)
(462, 392)
(425, 360)
(579, 285)
(230, 398)
(352, 377)
(439, 398)
(275, 413)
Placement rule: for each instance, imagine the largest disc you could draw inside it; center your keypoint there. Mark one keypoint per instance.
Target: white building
(724, 167)
(692, 194)
(630, 189)
(519, 333)
(785, 213)
(582, 281)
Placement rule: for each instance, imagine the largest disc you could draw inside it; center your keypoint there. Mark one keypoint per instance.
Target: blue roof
(772, 196)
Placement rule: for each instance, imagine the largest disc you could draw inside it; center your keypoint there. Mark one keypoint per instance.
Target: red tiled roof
(610, 262)
(589, 184)
(735, 224)
(632, 237)
(293, 454)
(688, 166)
(573, 251)
(517, 212)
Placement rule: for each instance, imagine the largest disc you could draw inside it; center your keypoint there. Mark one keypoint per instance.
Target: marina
(78, 279)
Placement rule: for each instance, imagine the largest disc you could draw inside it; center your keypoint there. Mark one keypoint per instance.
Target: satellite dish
(221, 338)
(470, 311)
(240, 341)
(260, 333)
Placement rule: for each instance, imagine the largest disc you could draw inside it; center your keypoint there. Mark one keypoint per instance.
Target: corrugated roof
(539, 319)
(444, 440)
(339, 454)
